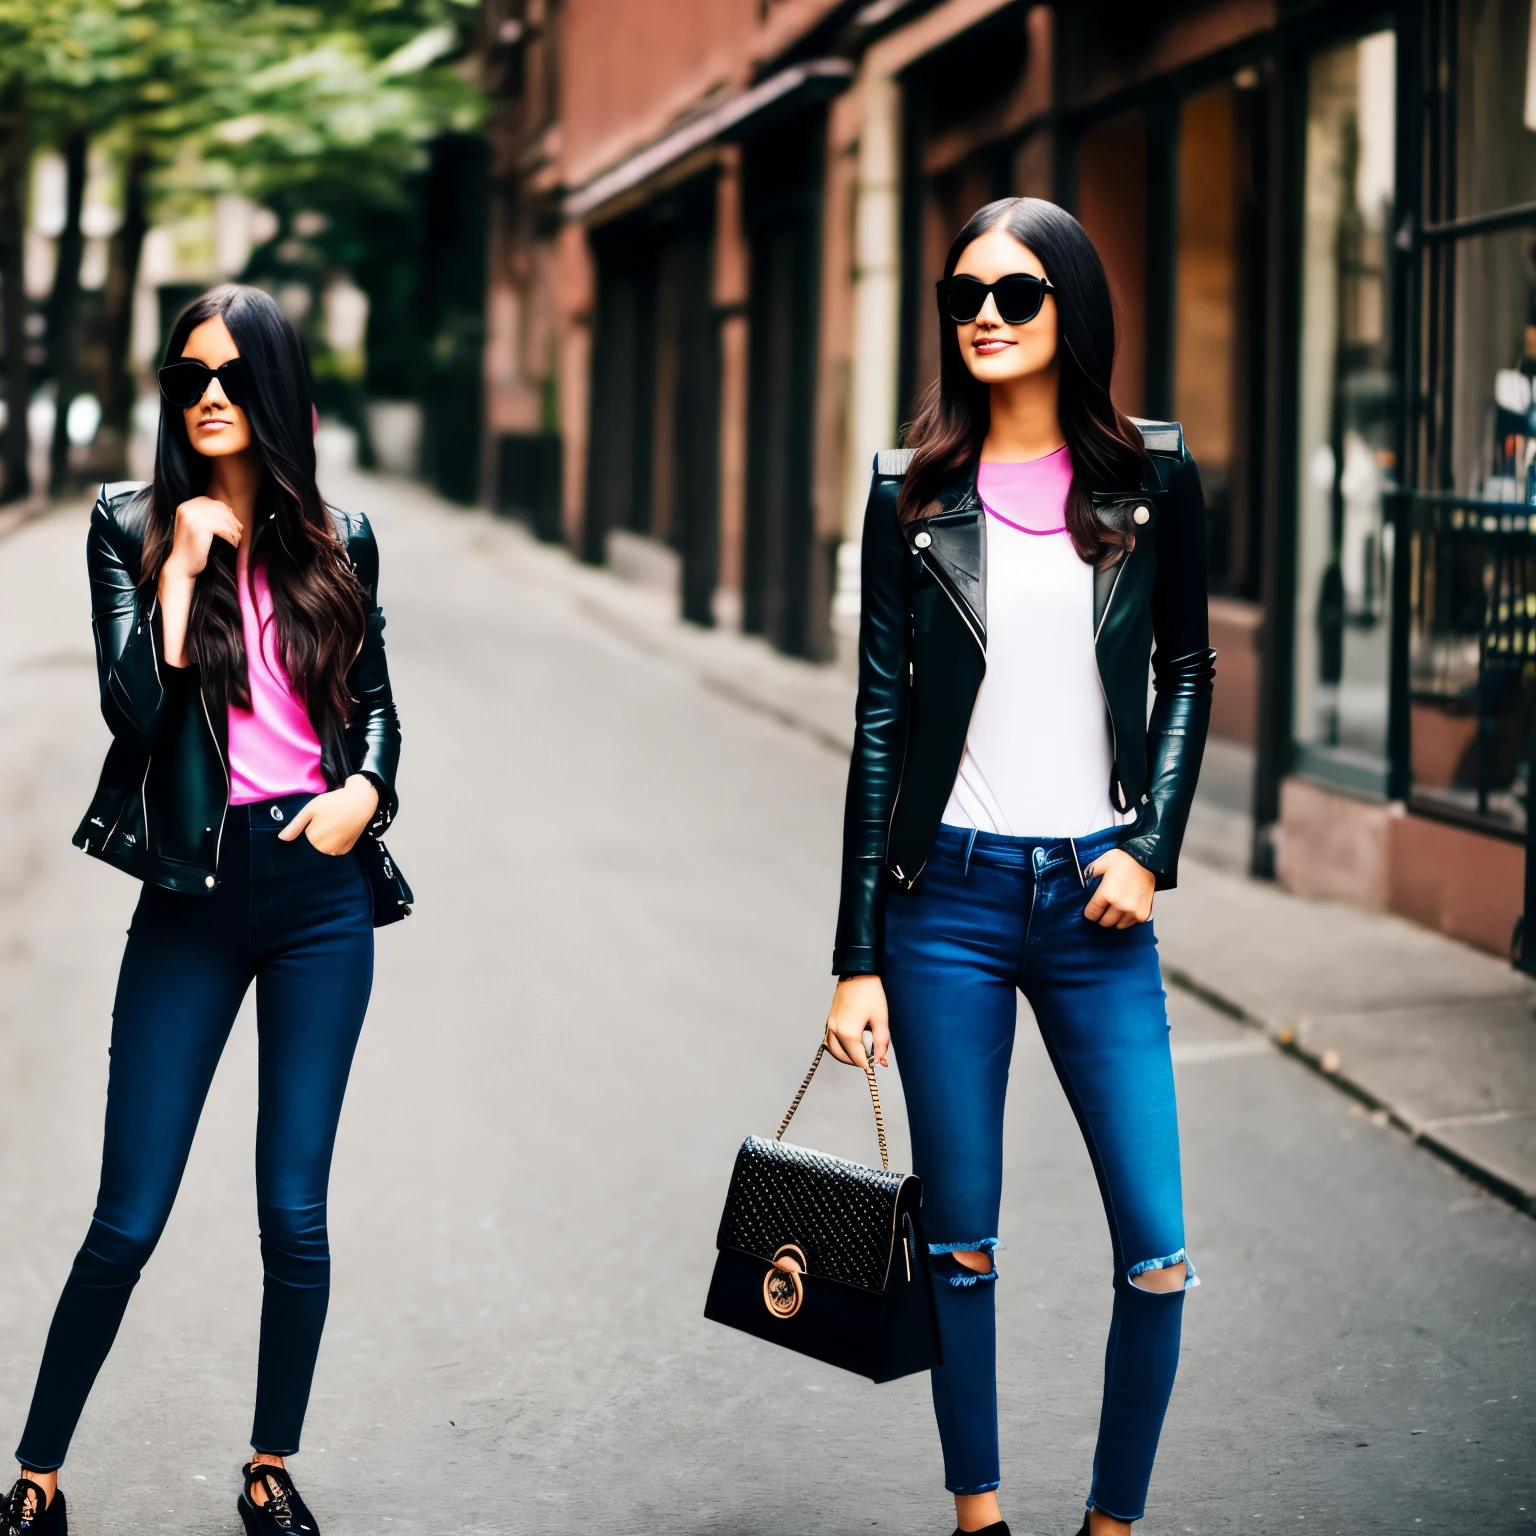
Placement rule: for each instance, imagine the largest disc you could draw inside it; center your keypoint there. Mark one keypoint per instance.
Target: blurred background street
(608, 304)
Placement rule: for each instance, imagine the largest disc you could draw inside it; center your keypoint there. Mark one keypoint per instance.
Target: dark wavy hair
(1108, 453)
(316, 599)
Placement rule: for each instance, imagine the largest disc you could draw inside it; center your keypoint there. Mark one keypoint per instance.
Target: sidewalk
(1430, 1034)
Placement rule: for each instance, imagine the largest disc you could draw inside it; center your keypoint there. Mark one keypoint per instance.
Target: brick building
(714, 229)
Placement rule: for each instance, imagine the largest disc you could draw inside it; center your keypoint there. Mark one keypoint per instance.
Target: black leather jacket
(922, 655)
(159, 807)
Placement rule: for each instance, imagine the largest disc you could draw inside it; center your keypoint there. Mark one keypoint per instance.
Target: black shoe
(283, 1514)
(997, 1528)
(29, 1512)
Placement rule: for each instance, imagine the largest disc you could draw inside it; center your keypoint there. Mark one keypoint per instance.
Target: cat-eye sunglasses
(185, 382)
(1019, 297)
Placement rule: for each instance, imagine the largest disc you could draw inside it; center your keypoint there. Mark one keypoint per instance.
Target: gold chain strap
(874, 1099)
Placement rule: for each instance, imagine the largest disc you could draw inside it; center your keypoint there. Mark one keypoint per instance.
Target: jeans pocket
(304, 838)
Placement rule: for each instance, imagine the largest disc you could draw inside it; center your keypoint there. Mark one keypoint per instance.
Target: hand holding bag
(825, 1256)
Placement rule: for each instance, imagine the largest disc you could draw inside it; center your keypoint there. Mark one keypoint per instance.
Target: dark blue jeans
(300, 924)
(992, 916)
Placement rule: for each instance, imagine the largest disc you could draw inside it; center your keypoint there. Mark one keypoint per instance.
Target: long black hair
(1107, 449)
(316, 599)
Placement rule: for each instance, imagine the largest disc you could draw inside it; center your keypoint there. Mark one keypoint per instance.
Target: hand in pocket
(1124, 895)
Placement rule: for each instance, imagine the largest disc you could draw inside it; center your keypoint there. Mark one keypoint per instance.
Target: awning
(790, 90)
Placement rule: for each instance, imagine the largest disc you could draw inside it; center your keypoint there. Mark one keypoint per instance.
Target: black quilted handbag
(825, 1256)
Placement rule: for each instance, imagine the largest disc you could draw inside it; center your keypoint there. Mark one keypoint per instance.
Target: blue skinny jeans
(991, 916)
(300, 924)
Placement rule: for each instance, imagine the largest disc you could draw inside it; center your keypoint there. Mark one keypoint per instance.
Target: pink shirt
(273, 749)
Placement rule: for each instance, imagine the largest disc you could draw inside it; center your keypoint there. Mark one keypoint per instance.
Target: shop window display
(1473, 629)
(1346, 415)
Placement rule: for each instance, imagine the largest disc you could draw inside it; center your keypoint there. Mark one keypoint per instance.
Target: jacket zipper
(1114, 739)
(218, 843)
(896, 798)
(154, 661)
(910, 880)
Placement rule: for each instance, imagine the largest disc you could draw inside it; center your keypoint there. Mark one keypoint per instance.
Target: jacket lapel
(955, 549)
(1104, 578)
(1118, 510)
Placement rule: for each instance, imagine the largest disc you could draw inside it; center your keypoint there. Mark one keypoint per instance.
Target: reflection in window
(1495, 107)
(1473, 636)
(1474, 612)
(1344, 548)
(1216, 288)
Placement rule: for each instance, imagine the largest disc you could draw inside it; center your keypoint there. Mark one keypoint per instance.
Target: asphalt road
(616, 970)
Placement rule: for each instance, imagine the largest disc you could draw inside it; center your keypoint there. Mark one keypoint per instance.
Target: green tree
(326, 104)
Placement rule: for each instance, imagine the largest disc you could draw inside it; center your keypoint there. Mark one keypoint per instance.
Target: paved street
(617, 968)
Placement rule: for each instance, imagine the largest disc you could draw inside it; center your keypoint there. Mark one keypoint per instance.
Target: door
(782, 184)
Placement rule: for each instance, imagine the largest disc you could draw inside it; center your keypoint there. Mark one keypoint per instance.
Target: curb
(1283, 1038)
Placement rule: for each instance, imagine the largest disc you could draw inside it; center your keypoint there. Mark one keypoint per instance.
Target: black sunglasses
(1019, 297)
(185, 382)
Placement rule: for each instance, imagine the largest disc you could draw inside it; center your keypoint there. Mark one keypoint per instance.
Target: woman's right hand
(859, 1004)
(198, 523)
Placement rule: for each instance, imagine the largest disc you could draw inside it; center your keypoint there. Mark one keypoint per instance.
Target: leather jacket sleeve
(880, 730)
(130, 661)
(373, 727)
(1183, 670)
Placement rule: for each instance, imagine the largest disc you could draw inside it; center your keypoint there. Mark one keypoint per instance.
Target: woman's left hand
(333, 822)
(1124, 896)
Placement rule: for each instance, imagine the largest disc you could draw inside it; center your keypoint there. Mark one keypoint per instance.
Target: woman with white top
(1012, 810)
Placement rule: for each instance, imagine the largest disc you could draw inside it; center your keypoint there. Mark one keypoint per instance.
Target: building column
(732, 280)
(874, 379)
(875, 372)
(574, 297)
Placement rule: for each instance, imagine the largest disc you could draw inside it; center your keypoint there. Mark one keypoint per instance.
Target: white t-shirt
(1038, 753)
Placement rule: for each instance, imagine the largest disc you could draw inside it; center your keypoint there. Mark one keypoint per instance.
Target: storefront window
(1495, 161)
(1216, 266)
(1206, 303)
(1345, 414)
(1472, 639)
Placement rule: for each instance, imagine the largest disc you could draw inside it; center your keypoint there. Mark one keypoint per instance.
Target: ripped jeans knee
(964, 1264)
(1157, 1272)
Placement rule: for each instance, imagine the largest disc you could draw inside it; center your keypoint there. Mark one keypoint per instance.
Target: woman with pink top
(240, 654)
(1013, 808)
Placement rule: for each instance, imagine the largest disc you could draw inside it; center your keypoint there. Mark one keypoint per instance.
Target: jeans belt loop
(970, 843)
(1077, 863)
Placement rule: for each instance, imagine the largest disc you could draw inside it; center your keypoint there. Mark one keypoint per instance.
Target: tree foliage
(299, 104)
(263, 94)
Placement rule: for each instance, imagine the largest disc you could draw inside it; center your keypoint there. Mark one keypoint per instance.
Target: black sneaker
(283, 1514)
(997, 1528)
(28, 1511)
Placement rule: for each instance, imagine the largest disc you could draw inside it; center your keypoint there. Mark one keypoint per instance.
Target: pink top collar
(1029, 496)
